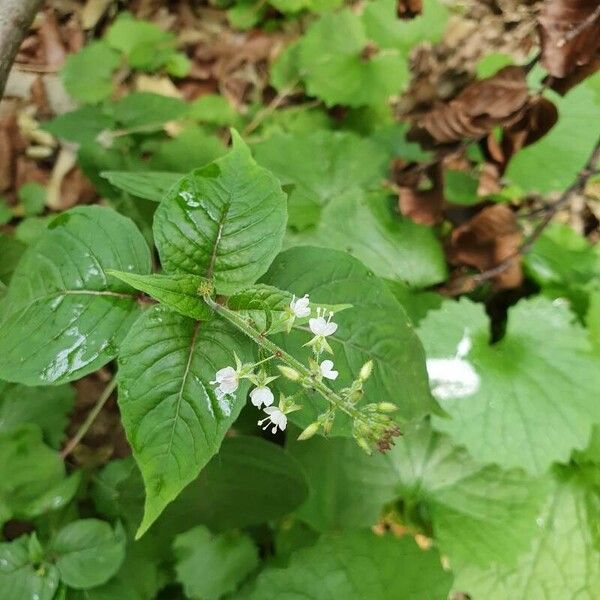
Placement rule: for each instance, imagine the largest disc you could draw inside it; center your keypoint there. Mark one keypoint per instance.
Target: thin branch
(581, 27)
(83, 429)
(550, 210)
(16, 17)
(277, 101)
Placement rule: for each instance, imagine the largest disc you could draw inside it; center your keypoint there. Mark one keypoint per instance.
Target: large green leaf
(20, 578)
(63, 317)
(88, 552)
(179, 291)
(321, 166)
(28, 469)
(209, 566)
(348, 488)
(562, 562)
(357, 566)
(552, 163)
(337, 65)
(225, 220)
(366, 227)
(172, 417)
(536, 401)
(480, 514)
(47, 407)
(150, 186)
(376, 327)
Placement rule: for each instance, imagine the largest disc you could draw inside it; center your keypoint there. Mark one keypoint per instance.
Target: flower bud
(289, 373)
(309, 431)
(366, 370)
(386, 407)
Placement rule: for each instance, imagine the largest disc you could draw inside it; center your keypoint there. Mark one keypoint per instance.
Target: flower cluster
(372, 426)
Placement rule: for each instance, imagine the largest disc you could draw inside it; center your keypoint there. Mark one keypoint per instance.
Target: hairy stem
(15, 18)
(261, 340)
(74, 441)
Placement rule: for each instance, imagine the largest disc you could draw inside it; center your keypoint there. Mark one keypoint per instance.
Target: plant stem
(83, 429)
(261, 340)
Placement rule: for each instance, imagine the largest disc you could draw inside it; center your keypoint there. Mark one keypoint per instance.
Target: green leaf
(63, 316)
(374, 328)
(460, 187)
(82, 125)
(480, 514)
(150, 186)
(87, 75)
(490, 64)
(173, 419)
(143, 109)
(89, 552)
(367, 227)
(321, 166)
(553, 162)
(536, 400)
(388, 31)
(33, 197)
(334, 59)
(6, 213)
(348, 488)
(356, 566)
(227, 558)
(212, 108)
(562, 561)
(294, 6)
(11, 250)
(20, 578)
(179, 291)
(28, 469)
(225, 220)
(47, 407)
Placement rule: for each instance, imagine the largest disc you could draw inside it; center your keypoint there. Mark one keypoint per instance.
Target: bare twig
(83, 429)
(582, 26)
(15, 18)
(277, 101)
(473, 281)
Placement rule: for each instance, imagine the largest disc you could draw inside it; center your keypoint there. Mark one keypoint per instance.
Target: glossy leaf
(179, 291)
(63, 316)
(356, 566)
(374, 328)
(536, 400)
(209, 566)
(225, 220)
(173, 419)
(89, 552)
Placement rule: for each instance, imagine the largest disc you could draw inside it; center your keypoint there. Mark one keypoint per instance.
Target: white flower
(452, 378)
(261, 395)
(299, 306)
(327, 371)
(321, 327)
(227, 380)
(274, 417)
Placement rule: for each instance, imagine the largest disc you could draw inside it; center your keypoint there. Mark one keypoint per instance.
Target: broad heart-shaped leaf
(223, 221)
(63, 317)
(338, 66)
(179, 291)
(537, 399)
(562, 561)
(348, 488)
(321, 165)
(480, 514)
(150, 186)
(20, 578)
(356, 566)
(28, 469)
(376, 327)
(173, 419)
(365, 226)
(209, 566)
(250, 481)
(88, 552)
(552, 163)
(47, 407)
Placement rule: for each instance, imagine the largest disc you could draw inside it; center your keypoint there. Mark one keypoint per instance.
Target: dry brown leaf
(570, 34)
(486, 240)
(421, 206)
(407, 9)
(93, 11)
(498, 100)
(53, 47)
